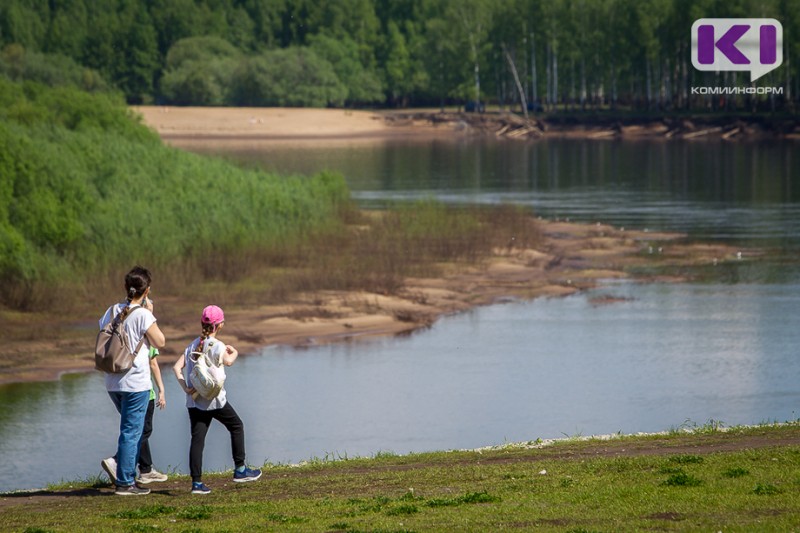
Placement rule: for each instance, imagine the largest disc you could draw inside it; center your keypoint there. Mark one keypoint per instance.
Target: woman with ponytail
(130, 391)
(202, 411)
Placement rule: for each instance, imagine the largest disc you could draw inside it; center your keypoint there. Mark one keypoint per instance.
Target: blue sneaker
(198, 487)
(248, 474)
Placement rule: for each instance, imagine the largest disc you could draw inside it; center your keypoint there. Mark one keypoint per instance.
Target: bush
(50, 69)
(198, 83)
(292, 77)
(194, 49)
(86, 189)
(362, 84)
(199, 71)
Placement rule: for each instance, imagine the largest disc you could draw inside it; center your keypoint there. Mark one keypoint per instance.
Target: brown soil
(691, 444)
(572, 257)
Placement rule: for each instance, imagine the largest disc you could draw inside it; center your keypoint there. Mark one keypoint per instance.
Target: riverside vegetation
(88, 190)
(706, 478)
(82, 180)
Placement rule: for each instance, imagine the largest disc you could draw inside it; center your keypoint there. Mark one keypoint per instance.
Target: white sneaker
(151, 476)
(110, 466)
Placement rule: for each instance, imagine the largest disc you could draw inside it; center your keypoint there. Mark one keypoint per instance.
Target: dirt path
(690, 444)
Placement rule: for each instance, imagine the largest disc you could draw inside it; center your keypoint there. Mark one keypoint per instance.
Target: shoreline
(177, 125)
(573, 257)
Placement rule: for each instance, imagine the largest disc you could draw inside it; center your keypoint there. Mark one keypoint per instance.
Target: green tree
(294, 77)
(100, 48)
(241, 29)
(68, 28)
(198, 83)
(267, 20)
(200, 49)
(363, 85)
(174, 20)
(199, 71)
(50, 69)
(138, 47)
(404, 74)
(24, 22)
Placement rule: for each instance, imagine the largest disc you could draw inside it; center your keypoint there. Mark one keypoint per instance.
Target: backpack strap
(206, 353)
(141, 341)
(139, 346)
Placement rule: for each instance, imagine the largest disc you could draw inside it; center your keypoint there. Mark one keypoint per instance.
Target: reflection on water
(659, 356)
(519, 371)
(716, 172)
(721, 190)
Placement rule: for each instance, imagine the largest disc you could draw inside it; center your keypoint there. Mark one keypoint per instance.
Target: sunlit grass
(623, 483)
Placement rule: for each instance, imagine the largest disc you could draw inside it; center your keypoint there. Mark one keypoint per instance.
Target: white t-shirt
(216, 350)
(137, 379)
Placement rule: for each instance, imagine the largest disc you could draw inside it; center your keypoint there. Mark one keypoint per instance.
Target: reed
(379, 250)
(87, 190)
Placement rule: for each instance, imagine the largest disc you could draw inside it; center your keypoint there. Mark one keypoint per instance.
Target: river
(662, 357)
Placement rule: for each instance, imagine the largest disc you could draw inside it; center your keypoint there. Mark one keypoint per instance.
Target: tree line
(532, 54)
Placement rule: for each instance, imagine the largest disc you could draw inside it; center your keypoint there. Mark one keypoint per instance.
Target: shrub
(86, 189)
(293, 77)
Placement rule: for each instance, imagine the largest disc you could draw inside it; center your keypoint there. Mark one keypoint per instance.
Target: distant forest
(547, 54)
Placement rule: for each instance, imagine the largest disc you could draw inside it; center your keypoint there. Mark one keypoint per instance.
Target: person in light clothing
(202, 411)
(130, 391)
(147, 473)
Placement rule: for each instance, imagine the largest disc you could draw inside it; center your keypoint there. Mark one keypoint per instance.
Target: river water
(663, 357)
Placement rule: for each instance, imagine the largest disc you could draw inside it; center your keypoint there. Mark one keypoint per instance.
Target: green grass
(672, 482)
(87, 191)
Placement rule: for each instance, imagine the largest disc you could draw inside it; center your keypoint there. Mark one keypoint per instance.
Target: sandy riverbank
(571, 257)
(280, 125)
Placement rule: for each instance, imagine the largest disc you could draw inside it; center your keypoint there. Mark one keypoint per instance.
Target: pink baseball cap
(213, 315)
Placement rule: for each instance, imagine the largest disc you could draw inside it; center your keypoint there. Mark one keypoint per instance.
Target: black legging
(200, 421)
(145, 459)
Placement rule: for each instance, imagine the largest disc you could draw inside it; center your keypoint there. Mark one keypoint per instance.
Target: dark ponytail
(136, 282)
(208, 329)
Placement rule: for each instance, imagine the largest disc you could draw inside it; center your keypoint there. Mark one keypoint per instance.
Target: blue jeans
(132, 407)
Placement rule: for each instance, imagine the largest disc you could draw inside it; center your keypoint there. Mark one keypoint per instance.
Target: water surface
(663, 356)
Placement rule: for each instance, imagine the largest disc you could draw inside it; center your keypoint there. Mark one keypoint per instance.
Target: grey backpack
(112, 353)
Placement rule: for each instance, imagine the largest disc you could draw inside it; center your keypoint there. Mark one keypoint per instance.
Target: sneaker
(248, 474)
(110, 466)
(151, 476)
(131, 490)
(198, 487)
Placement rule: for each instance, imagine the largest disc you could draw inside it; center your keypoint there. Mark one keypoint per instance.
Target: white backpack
(207, 376)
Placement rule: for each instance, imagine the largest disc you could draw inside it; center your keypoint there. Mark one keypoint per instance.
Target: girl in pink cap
(203, 410)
